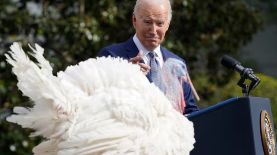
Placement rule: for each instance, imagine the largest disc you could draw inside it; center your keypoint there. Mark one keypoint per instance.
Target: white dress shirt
(157, 52)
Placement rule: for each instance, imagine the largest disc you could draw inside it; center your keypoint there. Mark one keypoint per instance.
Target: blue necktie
(155, 71)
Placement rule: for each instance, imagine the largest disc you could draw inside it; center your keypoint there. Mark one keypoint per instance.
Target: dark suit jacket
(129, 50)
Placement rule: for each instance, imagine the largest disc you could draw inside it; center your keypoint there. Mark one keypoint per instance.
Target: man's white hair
(154, 2)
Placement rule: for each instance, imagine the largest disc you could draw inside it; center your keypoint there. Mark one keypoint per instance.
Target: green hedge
(266, 89)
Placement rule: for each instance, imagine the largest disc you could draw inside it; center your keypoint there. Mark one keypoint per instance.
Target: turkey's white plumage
(100, 106)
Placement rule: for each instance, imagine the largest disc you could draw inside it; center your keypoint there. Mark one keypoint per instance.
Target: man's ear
(134, 20)
(168, 24)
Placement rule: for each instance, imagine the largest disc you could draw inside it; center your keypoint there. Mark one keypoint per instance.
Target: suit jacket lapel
(164, 54)
(131, 48)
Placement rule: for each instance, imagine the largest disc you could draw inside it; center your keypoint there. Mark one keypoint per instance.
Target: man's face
(151, 23)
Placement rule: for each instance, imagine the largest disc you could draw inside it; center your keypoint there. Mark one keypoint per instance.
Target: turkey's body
(102, 106)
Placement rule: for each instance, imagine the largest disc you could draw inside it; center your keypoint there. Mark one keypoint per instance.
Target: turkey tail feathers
(51, 105)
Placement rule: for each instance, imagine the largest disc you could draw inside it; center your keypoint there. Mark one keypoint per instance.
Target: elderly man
(151, 19)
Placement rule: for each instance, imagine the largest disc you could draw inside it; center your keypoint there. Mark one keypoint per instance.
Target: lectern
(238, 126)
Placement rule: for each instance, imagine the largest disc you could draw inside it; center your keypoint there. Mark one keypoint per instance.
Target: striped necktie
(155, 71)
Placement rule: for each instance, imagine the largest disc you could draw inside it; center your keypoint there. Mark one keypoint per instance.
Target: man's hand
(137, 60)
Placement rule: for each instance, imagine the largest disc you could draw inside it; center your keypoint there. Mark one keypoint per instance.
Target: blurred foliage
(73, 31)
(268, 7)
(266, 89)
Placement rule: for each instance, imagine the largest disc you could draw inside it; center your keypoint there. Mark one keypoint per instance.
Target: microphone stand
(245, 88)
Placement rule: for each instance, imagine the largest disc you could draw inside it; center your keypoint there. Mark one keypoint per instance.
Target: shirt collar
(140, 47)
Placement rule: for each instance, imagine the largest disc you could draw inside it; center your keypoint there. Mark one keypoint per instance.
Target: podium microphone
(245, 73)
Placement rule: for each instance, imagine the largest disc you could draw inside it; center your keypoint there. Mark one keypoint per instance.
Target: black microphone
(233, 64)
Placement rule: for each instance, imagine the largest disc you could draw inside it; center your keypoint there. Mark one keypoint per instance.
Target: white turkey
(102, 106)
